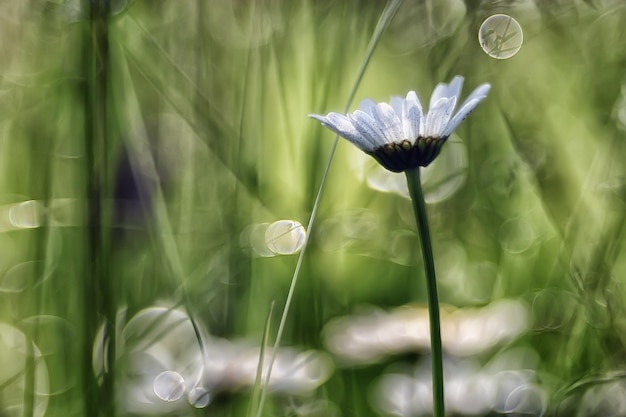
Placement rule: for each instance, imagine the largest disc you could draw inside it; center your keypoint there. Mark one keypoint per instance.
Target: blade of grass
(98, 286)
(141, 155)
(259, 373)
(206, 118)
(385, 19)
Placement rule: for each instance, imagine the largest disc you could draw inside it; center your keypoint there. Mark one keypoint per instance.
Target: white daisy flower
(400, 135)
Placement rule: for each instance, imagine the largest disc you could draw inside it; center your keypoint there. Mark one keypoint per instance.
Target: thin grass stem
(383, 22)
(141, 156)
(262, 351)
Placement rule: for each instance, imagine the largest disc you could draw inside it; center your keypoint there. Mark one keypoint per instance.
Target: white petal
(447, 90)
(397, 104)
(368, 128)
(388, 122)
(479, 93)
(342, 126)
(467, 107)
(367, 105)
(439, 116)
(411, 116)
(454, 89)
(463, 112)
(438, 93)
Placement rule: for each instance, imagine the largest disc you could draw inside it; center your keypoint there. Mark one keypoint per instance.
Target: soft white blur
(163, 368)
(282, 237)
(371, 336)
(469, 390)
(16, 351)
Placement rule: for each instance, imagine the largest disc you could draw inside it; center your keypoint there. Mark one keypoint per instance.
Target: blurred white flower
(370, 337)
(166, 371)
(469, 391)
(400, 135)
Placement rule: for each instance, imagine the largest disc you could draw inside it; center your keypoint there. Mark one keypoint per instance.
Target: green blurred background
(145, 146)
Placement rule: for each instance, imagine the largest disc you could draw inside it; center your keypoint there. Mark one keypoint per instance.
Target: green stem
(419, 208)
(98, 298)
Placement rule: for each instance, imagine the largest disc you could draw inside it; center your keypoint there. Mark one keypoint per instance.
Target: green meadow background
(145, 145)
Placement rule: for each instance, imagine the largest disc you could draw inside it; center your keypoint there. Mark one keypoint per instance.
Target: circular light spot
(500, 36)
(516, 235)
(447, 174)
(400, 250)
(526, 400)
(252, 239)
(597, 312)
(51, 335)
(66, 212)
(169, 386)
(478, 285)
(551, 309)
(199, 397)
(285, 237)
(17, 353)
(20, 277)
(606, 399)
(26, 215)
(356, 230)
(506, 382)
(118, 6)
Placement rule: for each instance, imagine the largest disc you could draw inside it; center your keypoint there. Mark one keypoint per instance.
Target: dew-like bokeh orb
(500, 36)
(169, 386)
(252, 239)
(285, 237)
(19, 277)
(552, 309)
(17, 353)
(26, 215)
(516, 235)
(51, 333)
(199, 397)
(526, 400)
(603, 398)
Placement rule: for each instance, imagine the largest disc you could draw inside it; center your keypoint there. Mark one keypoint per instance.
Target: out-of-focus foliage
(202, 145)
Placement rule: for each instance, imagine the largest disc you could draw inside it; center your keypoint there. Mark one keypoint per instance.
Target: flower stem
(419, 208)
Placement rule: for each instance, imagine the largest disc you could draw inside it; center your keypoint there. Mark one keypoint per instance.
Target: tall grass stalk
(259, 375)
(137, 143)
(98, 288)
(383, 22)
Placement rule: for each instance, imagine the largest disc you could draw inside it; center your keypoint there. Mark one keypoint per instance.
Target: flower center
(404, 155)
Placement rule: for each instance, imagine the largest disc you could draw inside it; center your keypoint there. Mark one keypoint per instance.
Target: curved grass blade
(259, 373)
(383, 22)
